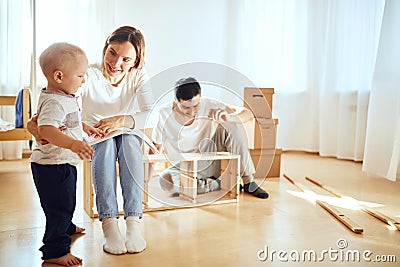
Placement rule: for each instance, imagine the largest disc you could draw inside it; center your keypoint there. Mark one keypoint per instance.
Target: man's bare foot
(66, 260)
(79, 230)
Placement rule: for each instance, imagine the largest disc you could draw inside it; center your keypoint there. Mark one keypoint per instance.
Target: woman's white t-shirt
(101, 100)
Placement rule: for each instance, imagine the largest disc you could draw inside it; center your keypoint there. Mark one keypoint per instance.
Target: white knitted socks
(114, 243)
(134, 238)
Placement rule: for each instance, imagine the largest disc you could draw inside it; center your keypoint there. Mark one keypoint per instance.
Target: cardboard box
(261, 133)
(267, 162)
(265, 134)
(259, 101)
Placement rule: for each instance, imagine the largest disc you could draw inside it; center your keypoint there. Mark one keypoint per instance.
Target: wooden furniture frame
(18, 133)
(229, 193)
(230, 177)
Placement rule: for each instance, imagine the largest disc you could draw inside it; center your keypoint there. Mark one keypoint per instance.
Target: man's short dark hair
(187, 88)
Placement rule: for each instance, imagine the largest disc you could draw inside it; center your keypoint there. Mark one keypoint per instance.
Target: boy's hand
(33, 129)
(90, 130)
(82, 149)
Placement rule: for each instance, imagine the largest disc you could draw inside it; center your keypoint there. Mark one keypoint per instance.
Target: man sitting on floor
(187, 127)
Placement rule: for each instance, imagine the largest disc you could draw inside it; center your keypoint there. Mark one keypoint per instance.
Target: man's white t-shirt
(177, 138)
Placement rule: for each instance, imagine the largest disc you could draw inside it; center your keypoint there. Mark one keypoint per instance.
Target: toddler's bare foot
(66, 260)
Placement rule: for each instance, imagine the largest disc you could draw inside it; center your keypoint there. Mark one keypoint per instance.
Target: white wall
(185, 32)
(177, 31)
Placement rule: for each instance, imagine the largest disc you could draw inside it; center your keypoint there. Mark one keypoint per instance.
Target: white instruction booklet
(91, 140)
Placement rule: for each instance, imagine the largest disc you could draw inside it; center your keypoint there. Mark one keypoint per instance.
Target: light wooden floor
(221, 235)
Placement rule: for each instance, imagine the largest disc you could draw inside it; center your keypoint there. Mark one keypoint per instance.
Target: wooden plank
(147, 173)
(188, 156)
(188, 187)
(230, 177)
(354, 227)
(26, 106)
(323, 187)
(380, 216)
(7, 100)
(337, 214)
(15, 135)
(163, 208)
(88, 191)
(188, 168)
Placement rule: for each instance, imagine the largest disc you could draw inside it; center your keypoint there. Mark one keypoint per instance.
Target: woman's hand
(33, 129)
(107, 125)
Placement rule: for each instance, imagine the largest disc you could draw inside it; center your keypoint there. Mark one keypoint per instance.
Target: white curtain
(15, 55)
(15, 45)
(320, 57)
(382, 150)
(85, 23)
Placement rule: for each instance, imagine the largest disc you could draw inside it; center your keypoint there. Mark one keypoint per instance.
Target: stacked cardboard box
(261, 132)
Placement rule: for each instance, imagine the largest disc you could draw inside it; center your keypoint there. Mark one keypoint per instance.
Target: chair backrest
(22, 103)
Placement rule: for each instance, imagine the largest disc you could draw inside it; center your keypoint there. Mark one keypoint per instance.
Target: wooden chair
(18, 133)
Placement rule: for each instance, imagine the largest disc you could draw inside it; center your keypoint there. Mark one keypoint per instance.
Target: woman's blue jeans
(127, 150)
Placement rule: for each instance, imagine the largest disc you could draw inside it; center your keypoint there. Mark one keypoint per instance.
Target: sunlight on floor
(342, 202)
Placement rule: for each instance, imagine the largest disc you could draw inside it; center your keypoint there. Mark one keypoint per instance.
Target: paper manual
(91, 140)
